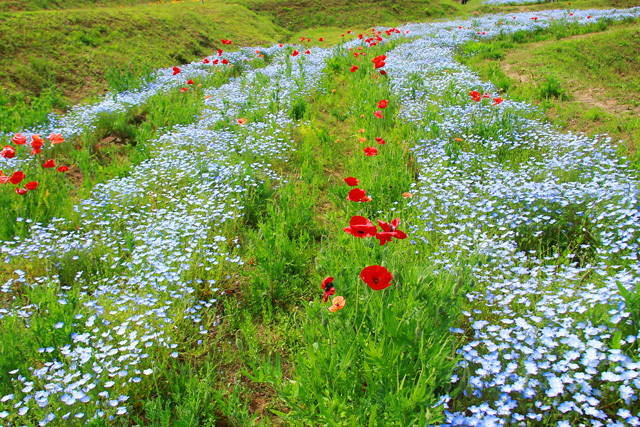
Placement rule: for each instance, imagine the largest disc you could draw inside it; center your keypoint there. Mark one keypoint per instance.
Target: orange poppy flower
(242, 121)
(337, 304)
(55, 138)
(407, 195)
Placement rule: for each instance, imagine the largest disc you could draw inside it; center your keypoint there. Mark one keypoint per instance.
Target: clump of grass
(552, 88)
(567, 231)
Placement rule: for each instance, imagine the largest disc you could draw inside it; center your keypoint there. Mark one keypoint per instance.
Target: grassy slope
(558, 4)
(77, 53)
(586, 82)
(59, 58)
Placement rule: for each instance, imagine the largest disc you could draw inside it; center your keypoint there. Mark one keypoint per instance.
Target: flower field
(359, 234)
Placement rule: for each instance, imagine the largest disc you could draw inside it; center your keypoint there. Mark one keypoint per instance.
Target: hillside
(362, 225)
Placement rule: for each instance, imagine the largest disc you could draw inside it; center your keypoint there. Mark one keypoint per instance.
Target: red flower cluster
(225, 41)
(369, 151)
(360, 226)
(475, 95)
(378, 61)
(9, 152)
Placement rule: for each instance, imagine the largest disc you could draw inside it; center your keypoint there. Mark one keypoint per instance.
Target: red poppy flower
(8, 152)
(356, 195)
(377, 277)
(21, 191)
(220, 52)
(351, 181)
(370, 151)
(3, 178)
(321, 39)
(390, 231)
(378, 114)
(189, 82)
(215, 61)
(360, 226)
(475, 95)
(36, 143)
(383, 72)
(32, 185)
(383, 103)
(354, 68)
(295, 53)
(380, 140)
(327, 286)
(19, 139)
(49, 164)
(225, 62)
(378, 61)
(63, 168)
(497, 100)
(176, 70)
(183, 90)
(307, 51)
(16, 177)
(205, 61)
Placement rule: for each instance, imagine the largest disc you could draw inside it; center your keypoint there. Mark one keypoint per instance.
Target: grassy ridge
(586, 78)
(56, 58)
(51, 59)
(31, 5)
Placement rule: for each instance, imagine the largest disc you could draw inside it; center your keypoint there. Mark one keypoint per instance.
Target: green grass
(385, 358)
(586, 78)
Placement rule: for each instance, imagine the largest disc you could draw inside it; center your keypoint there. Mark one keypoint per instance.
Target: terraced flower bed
(365, 234)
